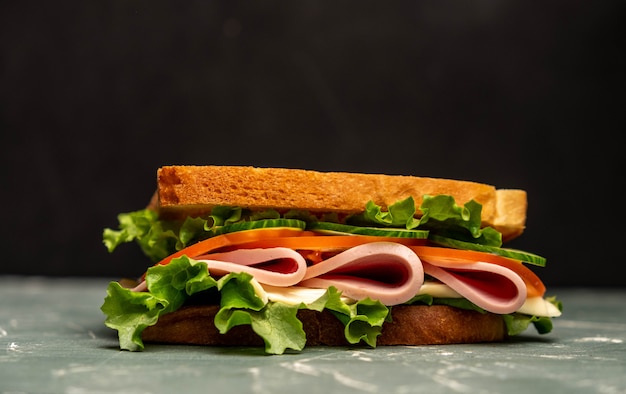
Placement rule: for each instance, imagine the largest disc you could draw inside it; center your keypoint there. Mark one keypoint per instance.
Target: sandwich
(286, 258)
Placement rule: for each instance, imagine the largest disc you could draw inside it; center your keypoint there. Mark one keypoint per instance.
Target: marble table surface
(52, 340)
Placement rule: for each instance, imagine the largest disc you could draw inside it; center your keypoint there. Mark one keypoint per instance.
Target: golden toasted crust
(411, 325)
(195, 190)
(510, 217)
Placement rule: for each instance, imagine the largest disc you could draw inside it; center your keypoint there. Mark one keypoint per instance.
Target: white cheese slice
(294, 295)
(438, 290)
(537, 306)
(259, 290)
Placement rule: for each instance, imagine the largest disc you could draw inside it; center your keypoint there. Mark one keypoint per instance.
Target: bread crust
(411, 325)
(194, 190)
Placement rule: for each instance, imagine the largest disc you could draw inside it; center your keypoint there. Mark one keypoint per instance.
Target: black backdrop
(95, 95)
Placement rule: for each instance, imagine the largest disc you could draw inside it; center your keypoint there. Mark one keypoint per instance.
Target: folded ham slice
(492, 287)
(388, 272)
(273, 266)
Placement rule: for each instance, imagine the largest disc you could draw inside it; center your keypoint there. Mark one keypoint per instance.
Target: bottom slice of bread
(411, 325)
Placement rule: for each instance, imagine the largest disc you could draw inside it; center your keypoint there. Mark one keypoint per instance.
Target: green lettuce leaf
(363, 320)
(169, 286)
(266, 214)
(274, 322)
(366, 321)
(223, 215)
(442, 216)
(192, 230)
(400, 214)
(156, 238)
(161, 238)
(516, 323)
(130, 313)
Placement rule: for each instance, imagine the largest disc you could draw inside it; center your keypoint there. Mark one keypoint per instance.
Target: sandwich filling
(261, 267)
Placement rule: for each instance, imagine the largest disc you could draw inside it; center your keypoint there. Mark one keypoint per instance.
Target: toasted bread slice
(194, 190)
(411, 325)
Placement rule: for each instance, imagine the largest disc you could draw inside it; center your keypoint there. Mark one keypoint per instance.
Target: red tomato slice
(310, 241)
(232, 239)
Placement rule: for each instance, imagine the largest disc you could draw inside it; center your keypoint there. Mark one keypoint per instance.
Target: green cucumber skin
(335, 228)
(525, 257)
(257, 224)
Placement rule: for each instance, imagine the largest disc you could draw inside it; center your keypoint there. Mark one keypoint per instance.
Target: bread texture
(410, 325)
(194, 190)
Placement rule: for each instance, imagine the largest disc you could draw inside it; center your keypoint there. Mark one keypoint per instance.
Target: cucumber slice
(336, 228)
(257, 224)
(515, 254)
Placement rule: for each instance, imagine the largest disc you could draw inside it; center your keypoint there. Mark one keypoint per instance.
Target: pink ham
(492, 287)
(274, 266)
(388, 272)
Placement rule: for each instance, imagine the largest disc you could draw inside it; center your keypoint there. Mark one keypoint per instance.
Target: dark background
(95, 95)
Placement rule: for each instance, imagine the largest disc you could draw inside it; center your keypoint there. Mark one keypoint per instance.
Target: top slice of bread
(194, 190)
